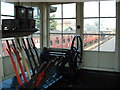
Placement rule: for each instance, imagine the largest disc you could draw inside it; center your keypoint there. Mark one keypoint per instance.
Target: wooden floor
(88, 79)
(81, 79)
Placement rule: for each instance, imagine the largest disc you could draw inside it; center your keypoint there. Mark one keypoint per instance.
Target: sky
(7, 9)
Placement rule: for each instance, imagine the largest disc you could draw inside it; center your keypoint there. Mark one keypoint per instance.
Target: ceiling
(54, 0)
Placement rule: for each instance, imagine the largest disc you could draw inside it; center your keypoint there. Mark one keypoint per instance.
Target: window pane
(7, 8)
(69, 10)
(55, 11)
(36, 12)
(36, 39)
(91, 26)
(91, 42)
(5, 17)
(37, 24)
(107, 8)
(55, 26)
(107, 43)
(4, 46)
(56, 40)
(67, 41)
(69, 26)
(91, 9)
(108, 25)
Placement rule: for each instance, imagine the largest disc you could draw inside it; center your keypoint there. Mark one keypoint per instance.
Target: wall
(118, 29)
(99, 61)
(1, 71)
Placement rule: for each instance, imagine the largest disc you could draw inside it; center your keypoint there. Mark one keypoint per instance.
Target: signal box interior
(62, 44)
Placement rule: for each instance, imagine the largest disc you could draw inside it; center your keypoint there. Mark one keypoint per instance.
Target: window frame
(36, 34)
(24, 4)
(99, 34)
(39, 30)
(3, 39)
(62, 19)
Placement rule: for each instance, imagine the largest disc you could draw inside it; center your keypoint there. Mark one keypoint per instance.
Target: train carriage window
(99, 26)
(50, 42)
(63, 40)
(68, 39)
(57, 41)
(62, 23)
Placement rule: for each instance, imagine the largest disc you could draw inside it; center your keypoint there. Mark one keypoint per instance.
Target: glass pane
(91, 9)
(91, 42)
(36, 39)
(69, 26)
(107, 43)
(55, 11)
(69, 10)
(5, 17)
(25, 41)
(4, 46)
(108, 25)
(56, 40)
(91, 26)
(36, 12)
(107, 9)
(55, 26)
(37, 24)
(67, 41)
(7, 8)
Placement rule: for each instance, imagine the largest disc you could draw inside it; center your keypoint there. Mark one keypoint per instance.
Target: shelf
(17, 33)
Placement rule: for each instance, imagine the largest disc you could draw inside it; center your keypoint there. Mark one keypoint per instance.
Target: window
(7, 9)
(7, 12)
(62, 24)
(36, 35)
(68, 39)
(50, 43)
(36, 17)
(63, 40)
(100, 26)
(57, 41)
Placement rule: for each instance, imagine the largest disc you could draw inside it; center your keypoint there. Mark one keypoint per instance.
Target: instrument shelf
(17, 33)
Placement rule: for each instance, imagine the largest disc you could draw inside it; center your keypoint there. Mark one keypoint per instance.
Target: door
(98, 30)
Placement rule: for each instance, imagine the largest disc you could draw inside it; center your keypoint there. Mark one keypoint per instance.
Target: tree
(53, 23)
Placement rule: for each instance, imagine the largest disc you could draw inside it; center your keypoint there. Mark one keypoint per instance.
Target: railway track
(95, 45)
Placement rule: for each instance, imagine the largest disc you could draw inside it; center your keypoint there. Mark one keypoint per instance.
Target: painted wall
(118, 28)
(99, 61)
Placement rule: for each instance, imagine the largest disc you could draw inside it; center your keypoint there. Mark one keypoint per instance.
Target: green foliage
(53, 23)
